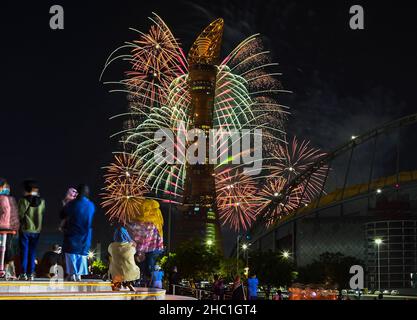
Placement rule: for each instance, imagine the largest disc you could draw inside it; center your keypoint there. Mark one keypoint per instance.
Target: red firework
(157, 59)
(273, 203)
(236, 199)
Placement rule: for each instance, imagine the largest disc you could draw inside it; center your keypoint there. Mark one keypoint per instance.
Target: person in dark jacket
(238, 292)
(78, 233)
(49, 260)
(218, 288)
(31, 210)
(174, 279)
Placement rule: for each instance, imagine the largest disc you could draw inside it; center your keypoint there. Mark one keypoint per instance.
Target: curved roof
(352, 192)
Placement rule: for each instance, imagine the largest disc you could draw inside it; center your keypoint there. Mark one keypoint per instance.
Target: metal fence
(199, 294)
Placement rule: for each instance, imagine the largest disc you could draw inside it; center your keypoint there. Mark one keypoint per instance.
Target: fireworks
(273, 205)
(124, 191)
(236, 199)
(156, 59)
(246, 92)
(295, 157)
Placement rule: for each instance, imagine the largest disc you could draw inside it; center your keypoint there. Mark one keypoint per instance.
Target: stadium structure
(367, 208)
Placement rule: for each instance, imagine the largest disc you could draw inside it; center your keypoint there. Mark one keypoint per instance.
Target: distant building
(384, 210)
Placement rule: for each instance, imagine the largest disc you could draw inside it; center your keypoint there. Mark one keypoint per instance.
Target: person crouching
(123, 269)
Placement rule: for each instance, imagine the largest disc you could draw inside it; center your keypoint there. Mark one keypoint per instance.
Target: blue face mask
(5, 192)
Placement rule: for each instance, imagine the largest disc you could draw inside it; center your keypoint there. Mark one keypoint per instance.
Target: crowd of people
(21, 226)
(238, 290)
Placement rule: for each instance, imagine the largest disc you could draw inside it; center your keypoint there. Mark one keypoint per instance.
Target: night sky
(54, 110)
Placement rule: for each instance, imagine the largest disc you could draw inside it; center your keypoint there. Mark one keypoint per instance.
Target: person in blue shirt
(253, 287)
(156, 277)
(78, 215)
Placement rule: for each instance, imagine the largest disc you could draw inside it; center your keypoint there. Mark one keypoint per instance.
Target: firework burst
(293, 158)
(246, 97)
(124, 192)
(273, 205)
(155, 59)
(236, 199)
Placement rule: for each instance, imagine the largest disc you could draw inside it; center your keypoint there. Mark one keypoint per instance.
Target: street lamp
(285, 254)
(378, 242)
(245, 248)
(209, 242)
(237, 253)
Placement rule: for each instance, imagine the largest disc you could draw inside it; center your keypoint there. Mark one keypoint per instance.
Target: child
(123, 269)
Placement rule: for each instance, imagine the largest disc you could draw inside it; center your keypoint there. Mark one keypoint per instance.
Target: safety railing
(200, 294)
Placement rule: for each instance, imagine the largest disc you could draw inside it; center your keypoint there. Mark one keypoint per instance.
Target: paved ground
(43, 289)
(386, 297)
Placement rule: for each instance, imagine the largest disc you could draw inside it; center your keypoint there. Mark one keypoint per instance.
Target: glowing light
(378, 191)
(91, 255)
(209, 242)
(378, 241)
(285, 254)
(245, 246)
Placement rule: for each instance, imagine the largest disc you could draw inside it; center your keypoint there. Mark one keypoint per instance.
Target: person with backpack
(31, 211)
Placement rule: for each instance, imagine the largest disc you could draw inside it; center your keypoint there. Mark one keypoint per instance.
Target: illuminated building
(199, 218)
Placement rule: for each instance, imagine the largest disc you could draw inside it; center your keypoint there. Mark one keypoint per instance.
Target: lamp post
(245, 248)
(378, 242)
(237, 254)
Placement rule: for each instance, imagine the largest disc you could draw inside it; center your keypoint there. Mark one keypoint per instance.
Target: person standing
(31, 211)
(156, 277)
(9, 225)
(173, 279)
(218, 288)
(238, 291)
(71, 195)
(79, 215)
(278, 296)
(253, 287)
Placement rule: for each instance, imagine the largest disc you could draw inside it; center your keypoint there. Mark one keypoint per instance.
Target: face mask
(5, 191)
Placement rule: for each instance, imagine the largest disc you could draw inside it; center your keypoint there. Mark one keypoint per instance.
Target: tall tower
(199, 218)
